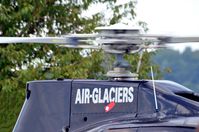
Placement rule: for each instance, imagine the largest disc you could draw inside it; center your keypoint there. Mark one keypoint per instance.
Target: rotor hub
(118, 38)
(119, 29)
(119, 44)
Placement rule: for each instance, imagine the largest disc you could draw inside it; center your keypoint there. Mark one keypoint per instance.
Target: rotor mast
(121, 67)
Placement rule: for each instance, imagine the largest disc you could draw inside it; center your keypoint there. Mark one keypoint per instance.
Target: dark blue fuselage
(81, 105)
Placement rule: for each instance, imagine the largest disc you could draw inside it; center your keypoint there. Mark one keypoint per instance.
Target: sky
(169, 17)
(172, 17)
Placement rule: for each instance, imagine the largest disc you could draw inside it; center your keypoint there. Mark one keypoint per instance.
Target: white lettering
(106, 95)
(125, 95)
(106, 98)
(131, 97)
(119, 100)
(100, 96)
(87, 96)
(111, 98)
(95, 96)
(78, 97)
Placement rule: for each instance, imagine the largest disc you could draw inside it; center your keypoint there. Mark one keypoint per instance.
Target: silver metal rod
(139, 62)
(154, 90)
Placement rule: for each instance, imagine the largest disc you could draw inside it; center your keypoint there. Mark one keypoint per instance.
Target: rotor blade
(178, 39)
(155, 46)
(50, 40)
(73, 39)
(154, 37)
(164, 38)
(81, 46)
(132, 36)
(168, 38)
(119, 41)
(81, 36)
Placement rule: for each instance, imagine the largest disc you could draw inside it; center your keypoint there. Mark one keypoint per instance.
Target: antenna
(139, 62)
(154, 90)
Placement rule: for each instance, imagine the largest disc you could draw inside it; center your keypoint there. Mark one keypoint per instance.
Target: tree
(22, 63)
(179, 67)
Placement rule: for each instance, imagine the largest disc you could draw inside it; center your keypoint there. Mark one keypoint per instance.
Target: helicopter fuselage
(81, 105)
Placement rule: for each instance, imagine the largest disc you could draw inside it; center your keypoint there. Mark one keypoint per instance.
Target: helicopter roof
(171, 86)
(165, 85)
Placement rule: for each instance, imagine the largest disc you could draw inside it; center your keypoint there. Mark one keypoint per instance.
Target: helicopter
(121, 103)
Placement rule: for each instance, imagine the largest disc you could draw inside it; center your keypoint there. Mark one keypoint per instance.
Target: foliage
(145, 67)
(180, 67)
(22, 63)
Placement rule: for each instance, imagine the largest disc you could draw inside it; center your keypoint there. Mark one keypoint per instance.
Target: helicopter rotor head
(116, 39)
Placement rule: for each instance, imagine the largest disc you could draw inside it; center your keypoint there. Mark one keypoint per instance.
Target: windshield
(177, 89)
(191, 96)
(171, 86)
